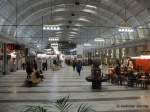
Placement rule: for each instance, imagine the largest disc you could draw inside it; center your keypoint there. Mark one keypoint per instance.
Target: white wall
(79, 49)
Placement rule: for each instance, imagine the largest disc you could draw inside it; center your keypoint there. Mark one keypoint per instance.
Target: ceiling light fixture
(51, 27)
(125, 27)
(38, 46)
(54, 44)
(53, 39)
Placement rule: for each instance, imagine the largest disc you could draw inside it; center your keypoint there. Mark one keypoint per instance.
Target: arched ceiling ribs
(39, 5)
(101, 18)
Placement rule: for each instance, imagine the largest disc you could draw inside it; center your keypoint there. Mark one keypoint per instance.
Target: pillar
(114, 53)
(4, 59)
(120, 53)
(132, 52)
(17, 60)
(126, 52)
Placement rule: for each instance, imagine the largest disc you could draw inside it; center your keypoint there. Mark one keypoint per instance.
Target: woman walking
(79, 67)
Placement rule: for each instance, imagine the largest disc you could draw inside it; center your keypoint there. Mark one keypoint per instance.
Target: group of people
(33, 74)
(120, 72)
(95, 70)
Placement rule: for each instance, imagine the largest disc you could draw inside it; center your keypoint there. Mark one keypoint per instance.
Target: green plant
(34, 109)
(61, 105)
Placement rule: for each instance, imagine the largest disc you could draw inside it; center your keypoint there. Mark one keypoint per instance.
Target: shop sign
(13, 46)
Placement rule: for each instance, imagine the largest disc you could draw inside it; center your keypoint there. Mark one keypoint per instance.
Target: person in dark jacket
(28, 70)
(118, 74)
(79, 67)
(74, 65)
(96, 71)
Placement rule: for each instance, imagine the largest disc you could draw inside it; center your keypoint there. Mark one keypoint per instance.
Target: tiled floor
(14, 96)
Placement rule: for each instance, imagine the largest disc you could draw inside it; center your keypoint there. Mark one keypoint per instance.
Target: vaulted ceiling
(80, 20)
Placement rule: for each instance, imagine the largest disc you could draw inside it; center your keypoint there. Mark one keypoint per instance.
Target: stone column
(120, 53)
(114, 53)
(126, 52)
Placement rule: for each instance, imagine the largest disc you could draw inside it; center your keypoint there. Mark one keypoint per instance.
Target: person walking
(46, 65)
(79, 67)
(117, 71)
(28, 70)
(74, 65)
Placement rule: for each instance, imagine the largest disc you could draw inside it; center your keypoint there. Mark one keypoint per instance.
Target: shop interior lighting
(13, 55)
(51, 27)
(72, 50)
(38, 46)
(141, 57)
(99, 40)
(87, 44)
(54, 44)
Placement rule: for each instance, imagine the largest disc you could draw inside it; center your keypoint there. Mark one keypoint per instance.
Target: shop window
(141, 32)
(123, 37)
(117, 53)
(135, 34)
(131, 35)
(123, 52)
(148, 25)
(146, 31)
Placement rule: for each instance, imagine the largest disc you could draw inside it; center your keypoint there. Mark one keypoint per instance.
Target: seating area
(130, 78)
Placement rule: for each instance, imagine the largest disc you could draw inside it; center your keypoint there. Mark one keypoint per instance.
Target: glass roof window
(91, 6)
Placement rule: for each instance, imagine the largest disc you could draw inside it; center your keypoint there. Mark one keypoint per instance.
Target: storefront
(17, 56)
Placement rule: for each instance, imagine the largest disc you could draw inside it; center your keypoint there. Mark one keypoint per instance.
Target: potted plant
(61, 105)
